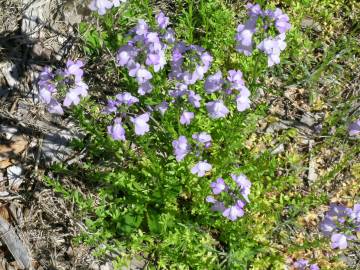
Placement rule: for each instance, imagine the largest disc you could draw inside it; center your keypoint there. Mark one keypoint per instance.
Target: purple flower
(235, 211)
(157, 59)
(145, 88)
(254, 9)
(354, 128)
(218, 186)
(45, 95)
(214, 83)
(282, 23)
(162, 20)
(327, 226)
(244, 36)
(143, 75)
(301, 264)
(181, 148)
(74, 94)
(126, 99)
(169, 36)
(242, 103)
(116, 131)
(217, 206)
(355, 213)
(314, 267)
(217, 109)
(186, 118)
(74, 68)
(140, 123)
(55, 107)
(336, 210)
(194, 99)
(338, 240)
(110, 107)
(201, 168)
(243, 182)
(141, 28)
(100, 6)
(162, 107)
(235, 79)
(272, 47)
(126, 54)
(203, 138)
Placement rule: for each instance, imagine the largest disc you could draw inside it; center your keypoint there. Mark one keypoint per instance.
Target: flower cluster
(189, 63)
(303, 264)
(271, 46)
(102, 5)
(182, 148)
(341, 223)
(235, 208)
(145, 48)
(121, 105)
(54, 84)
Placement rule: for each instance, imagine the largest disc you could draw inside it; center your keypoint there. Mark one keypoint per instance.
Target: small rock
(279, 149)
(107, 266)
(307, 120)
(14, 177)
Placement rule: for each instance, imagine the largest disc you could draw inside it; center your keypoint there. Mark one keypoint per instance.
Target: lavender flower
(338, 240)
(203, 138)
(217, 206)
(282, 23)
(243, 182)
(100, 6)
(126, 99)
(242, 103)
(186, 118)
(272, 47)
(116, 131)
(162, 20)
(201, 168)
(142, 75)
(194, 99)
(111, 106)
(181, 148)
(214, 83)
(162, 107)
(141, 28)
(234, 211)
(74, 94)
(235, 79)
(301, 264)
(244, 36)
(126, 54)
(145, 88)
(218, 186)
(140, 123)
(55, 107)
(314, 267)
(75, 69)
(217, 109)
(327, 226)
(354, 128)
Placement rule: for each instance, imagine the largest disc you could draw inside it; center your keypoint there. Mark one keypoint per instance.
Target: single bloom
(186, 118)
(194, 99)
(243, 182)
(126, 98)
(162, 107)
(116, 131)
(327, 226)
(125, 55)
(218, 186)
(301, 264)
(214, 82)
(140, 123)
(242, 103)
(217, 109)
(143, 75)
(314, 267)
(55, 107)
(181, 148)
(75, 69)
(203, 138)
(141, 28)
(234, 211)
(100, 6)
(162, 20)
(354, 128)
(201, 168)
(145, 88)
(338, 240)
